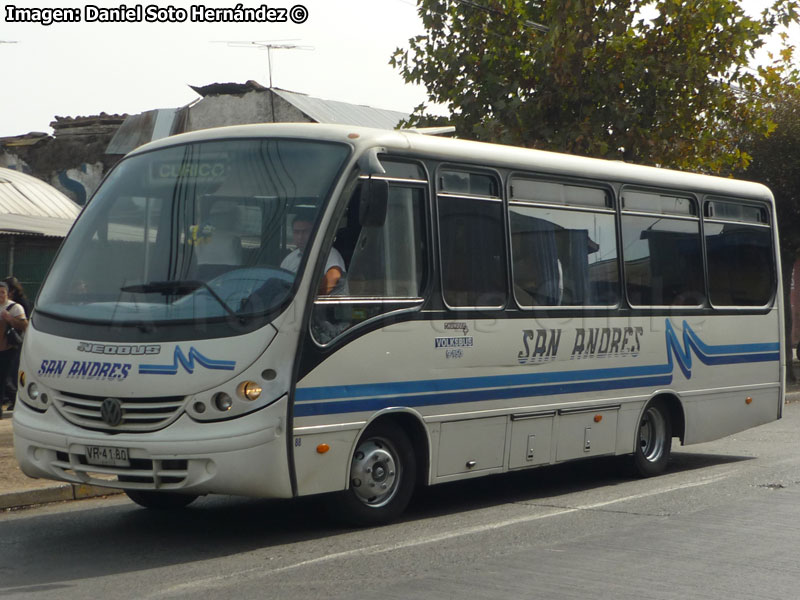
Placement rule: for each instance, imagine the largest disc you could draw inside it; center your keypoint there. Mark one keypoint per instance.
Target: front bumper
(244, 456)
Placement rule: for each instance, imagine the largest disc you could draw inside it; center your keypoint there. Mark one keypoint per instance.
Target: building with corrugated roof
(34, 218)
(82, 150)
(222, 104)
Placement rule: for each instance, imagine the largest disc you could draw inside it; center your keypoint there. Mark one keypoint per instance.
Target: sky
(84, 68)
(78, 69)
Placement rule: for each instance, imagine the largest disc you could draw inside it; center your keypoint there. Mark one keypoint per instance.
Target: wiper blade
(179, 288)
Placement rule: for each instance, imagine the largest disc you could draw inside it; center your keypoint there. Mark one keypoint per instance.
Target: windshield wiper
(179, 288)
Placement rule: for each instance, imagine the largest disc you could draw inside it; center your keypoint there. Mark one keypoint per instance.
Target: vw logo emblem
(111, 411)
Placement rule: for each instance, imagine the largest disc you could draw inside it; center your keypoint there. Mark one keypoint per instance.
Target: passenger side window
(741, 265)
(562, 256)
(661, 249)
(385, 264)
(471, 240)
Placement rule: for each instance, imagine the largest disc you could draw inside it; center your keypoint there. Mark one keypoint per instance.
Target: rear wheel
(653, 440)
(382, 475)
(160, 500)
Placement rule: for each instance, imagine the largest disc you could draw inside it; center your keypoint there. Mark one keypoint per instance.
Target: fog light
(33, 391)
(223, 402)
(249, 390)
(199, 407)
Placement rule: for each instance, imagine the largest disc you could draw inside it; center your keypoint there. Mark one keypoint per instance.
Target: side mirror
(373, 202)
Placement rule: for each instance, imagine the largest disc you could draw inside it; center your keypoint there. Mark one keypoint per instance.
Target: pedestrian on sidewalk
(12, 316)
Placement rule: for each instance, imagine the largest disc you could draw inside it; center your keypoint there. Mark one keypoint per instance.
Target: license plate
(107, 456)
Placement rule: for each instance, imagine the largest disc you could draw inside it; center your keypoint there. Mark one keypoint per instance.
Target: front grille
(143, 473)
(138, 414)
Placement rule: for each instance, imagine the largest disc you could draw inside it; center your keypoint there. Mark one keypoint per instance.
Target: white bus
(497, 309)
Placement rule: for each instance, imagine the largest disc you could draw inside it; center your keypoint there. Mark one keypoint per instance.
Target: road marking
(432, 539)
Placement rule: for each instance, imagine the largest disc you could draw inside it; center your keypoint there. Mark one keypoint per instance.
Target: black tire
(160, 500)
(653, 440)
(383, 473)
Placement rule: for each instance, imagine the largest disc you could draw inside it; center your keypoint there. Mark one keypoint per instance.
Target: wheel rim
(652, 434)
(375, 472)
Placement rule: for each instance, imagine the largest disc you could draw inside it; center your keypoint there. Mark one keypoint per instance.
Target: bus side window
(739, 253)
(662, 252)
(563, 257)
(385, 264)
(472, 242)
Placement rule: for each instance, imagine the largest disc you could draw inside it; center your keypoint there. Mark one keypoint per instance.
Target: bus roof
(479, 154)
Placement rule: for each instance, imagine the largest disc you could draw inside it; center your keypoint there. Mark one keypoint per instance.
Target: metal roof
(31, 206)
(331, 112)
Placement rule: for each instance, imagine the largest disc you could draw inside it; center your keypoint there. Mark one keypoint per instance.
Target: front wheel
(160, 500)
(653, 440)
(383, 472)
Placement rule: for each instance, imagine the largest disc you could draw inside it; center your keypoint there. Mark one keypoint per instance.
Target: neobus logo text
(85, 369)
(135, 350)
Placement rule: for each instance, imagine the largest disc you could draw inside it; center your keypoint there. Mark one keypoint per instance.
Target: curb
(61, 492)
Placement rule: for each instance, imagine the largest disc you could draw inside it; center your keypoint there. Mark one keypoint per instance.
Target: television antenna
(269, 46)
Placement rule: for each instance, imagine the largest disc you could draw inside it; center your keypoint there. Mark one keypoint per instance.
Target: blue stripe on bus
(467, 383)
(713, 355)
(372, 404)
(375, 396)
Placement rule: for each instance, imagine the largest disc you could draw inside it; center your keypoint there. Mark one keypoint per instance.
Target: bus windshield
(192, 232)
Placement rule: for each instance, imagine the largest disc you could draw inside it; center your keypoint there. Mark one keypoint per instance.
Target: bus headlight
(249, 390)
(34, 397)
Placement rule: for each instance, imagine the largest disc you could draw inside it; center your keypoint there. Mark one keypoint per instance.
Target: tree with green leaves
(664, 82)
(776, 164)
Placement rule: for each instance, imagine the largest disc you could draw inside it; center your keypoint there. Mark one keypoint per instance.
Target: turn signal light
(598, 418)
(22, 379)
(748, 400)
(323, 448)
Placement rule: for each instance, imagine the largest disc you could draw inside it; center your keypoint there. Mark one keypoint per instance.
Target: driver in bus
(333, 280)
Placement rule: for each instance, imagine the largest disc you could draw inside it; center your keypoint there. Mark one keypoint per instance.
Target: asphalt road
(724, 522)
